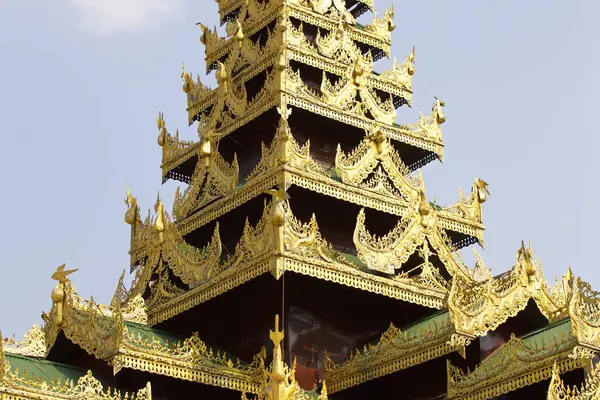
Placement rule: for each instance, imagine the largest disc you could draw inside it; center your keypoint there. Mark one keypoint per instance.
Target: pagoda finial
(276, 335)
(438, 110)
(162, 128)
(160, 216)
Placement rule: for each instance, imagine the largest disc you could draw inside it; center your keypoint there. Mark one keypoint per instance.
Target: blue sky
(82, 82)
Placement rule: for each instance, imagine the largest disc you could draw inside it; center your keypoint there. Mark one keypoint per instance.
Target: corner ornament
(58, 293)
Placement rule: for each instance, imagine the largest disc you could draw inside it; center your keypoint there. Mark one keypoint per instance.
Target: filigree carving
(376, 166)
(172, 147)
(479, 307)
(33, 344)
(584, 310)
(387, 254)
(284, 150)
(518, 363)
(402, 73)
(396, 350)
(157, 241)
(590, 390)
(384, 26)
(306, 241)
(213, 177)
(190, 359)
(24, 384)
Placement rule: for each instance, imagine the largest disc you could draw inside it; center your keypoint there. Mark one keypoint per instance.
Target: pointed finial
(129, 199)
(61, 275)
(160, 122)
(158, 202)
(183, 70)
(323, 395)
(276, 335)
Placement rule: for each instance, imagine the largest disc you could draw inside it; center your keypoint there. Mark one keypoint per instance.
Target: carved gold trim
(590, 390)
(22, 385)
(281, 243)
(279, 379)
(396, 350)
(518, 363)
(32, 345)
(190, 360)
(254, 18)
(481, 306)
(369, 178)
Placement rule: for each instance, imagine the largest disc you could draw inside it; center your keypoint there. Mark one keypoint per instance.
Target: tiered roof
(299, 56)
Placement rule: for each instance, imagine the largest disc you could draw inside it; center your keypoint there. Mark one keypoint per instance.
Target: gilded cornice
(416, 232)
(96, 328)
(396, 350)
(480, 306)
(280, 243)
(190, 359)
(212, 178)
(517, 363)
(590, 390)
(23, 386)
(174, 151)
(329, 54)
(116, 334)
(584, 310)
(254, 16)
(373, 176)
(32, 345)
(376, 166)
(284, 86)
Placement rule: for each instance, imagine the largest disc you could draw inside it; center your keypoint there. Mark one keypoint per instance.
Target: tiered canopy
(300, 170)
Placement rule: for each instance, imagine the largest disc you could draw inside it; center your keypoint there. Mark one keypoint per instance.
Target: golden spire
(281, 384)
(424, 208)
(159, 224)
(131, 202)
(323, 395)
(162, 136)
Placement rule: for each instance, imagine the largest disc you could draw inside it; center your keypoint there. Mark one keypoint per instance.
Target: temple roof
(397, 349)
(519, 362)
(31, 377)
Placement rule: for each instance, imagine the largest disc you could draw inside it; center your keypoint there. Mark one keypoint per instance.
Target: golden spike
(160, 121)
(323, 395)
(61, 275)
(160, 216)
(129, 200)
(276, 336)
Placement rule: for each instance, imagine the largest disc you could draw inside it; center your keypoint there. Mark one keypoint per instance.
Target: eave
(27, 377)
(396, 350)
(518, 363)
(185, 359)
(120, 338)
(199, 99)
(305, 15)
(278, 265)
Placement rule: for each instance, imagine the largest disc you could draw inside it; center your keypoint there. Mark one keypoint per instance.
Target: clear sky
(82, 81)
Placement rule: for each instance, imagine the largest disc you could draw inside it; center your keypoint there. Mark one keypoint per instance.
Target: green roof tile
(44, 370)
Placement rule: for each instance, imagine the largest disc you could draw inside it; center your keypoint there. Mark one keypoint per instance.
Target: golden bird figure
(61, 275)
